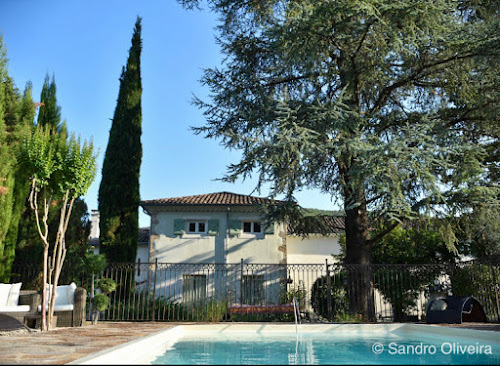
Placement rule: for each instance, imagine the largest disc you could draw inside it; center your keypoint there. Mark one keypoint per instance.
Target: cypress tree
(24, 114)
(50, 112)
(119, 189)
(16, 113)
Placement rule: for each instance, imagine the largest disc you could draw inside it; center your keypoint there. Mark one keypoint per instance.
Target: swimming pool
(242, 344)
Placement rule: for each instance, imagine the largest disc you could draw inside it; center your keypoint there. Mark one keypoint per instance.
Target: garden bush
(338, 292)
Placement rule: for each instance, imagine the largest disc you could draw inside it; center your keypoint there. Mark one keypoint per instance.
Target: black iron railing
(335, 292)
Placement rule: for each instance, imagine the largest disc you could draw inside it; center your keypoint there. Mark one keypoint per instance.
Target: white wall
(195, 248)
(312, 250)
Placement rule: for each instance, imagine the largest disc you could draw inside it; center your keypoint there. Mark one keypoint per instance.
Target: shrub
(144, 307)
(338, 293)
(478, 280)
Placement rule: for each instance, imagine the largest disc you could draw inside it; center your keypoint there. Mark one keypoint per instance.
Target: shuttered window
(196, 227)
(252, 227)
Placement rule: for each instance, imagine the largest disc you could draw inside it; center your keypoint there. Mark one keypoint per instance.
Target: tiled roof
(220, 198)
(335, 223)
(323, 224)
(143, 235)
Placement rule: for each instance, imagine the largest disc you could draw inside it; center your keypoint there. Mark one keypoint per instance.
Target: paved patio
(64, 345)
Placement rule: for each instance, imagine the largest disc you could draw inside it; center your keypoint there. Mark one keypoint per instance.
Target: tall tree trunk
(43, 322)
(358, 252)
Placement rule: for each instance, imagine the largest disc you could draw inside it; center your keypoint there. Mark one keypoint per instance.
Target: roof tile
(220, 198)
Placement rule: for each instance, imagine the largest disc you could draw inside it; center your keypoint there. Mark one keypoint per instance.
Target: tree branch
(291, 79)
(386, 92)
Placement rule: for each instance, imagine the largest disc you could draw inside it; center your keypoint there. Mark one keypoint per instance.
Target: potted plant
(100, 301)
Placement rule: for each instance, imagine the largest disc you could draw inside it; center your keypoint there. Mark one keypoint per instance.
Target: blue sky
(85, 43)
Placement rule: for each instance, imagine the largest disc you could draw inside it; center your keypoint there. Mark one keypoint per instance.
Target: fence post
(92, 293)
(496, 285)
(241, 283)
(154, 289)
(328, 291)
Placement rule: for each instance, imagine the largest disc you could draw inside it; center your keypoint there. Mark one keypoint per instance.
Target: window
(194, 288)
(252, 227)
(196, 227)
(253, 289)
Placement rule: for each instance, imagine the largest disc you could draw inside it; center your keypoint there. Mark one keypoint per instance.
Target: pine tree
(119, 190)
(390, 106)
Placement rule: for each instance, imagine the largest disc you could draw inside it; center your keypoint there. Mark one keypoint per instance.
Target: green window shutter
(213, 227)
(234, 227)
(179, 227)
(269, 230)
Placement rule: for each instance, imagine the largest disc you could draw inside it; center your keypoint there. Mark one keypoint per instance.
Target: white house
(225, 247)
(226, 227)
(211, 245)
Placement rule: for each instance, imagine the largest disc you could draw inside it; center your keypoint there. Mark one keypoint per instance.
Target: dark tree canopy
(119, 190)
(49, 113)
(390, 106)
(17, 111)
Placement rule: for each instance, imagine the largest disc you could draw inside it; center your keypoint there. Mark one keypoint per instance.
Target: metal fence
(246, 291)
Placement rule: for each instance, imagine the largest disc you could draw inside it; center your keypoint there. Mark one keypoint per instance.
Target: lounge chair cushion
(9, 294)
(15, 290)
(12, 309)
(4, 293)
(65, 294)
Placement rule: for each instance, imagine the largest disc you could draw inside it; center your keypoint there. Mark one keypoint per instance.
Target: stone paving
(64, 345)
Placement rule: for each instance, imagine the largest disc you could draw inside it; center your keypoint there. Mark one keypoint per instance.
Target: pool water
(329, 348)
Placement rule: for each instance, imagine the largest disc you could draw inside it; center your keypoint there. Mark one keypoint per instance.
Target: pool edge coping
(178, 331)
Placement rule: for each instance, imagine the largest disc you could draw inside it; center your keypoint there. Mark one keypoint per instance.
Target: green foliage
(299, 292)
(471, 280)
(482, 281)
(49, 114)
(144, 307)
(16, 113)
(107, 285)
(376, 103)
(420, 245)
(62, 168)
(402, 286)
(338, 294)
(94, 263)
(27, 237)
(479, 231)
(119, 201)
(411, 246)
(101, 302)
(56, 165)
